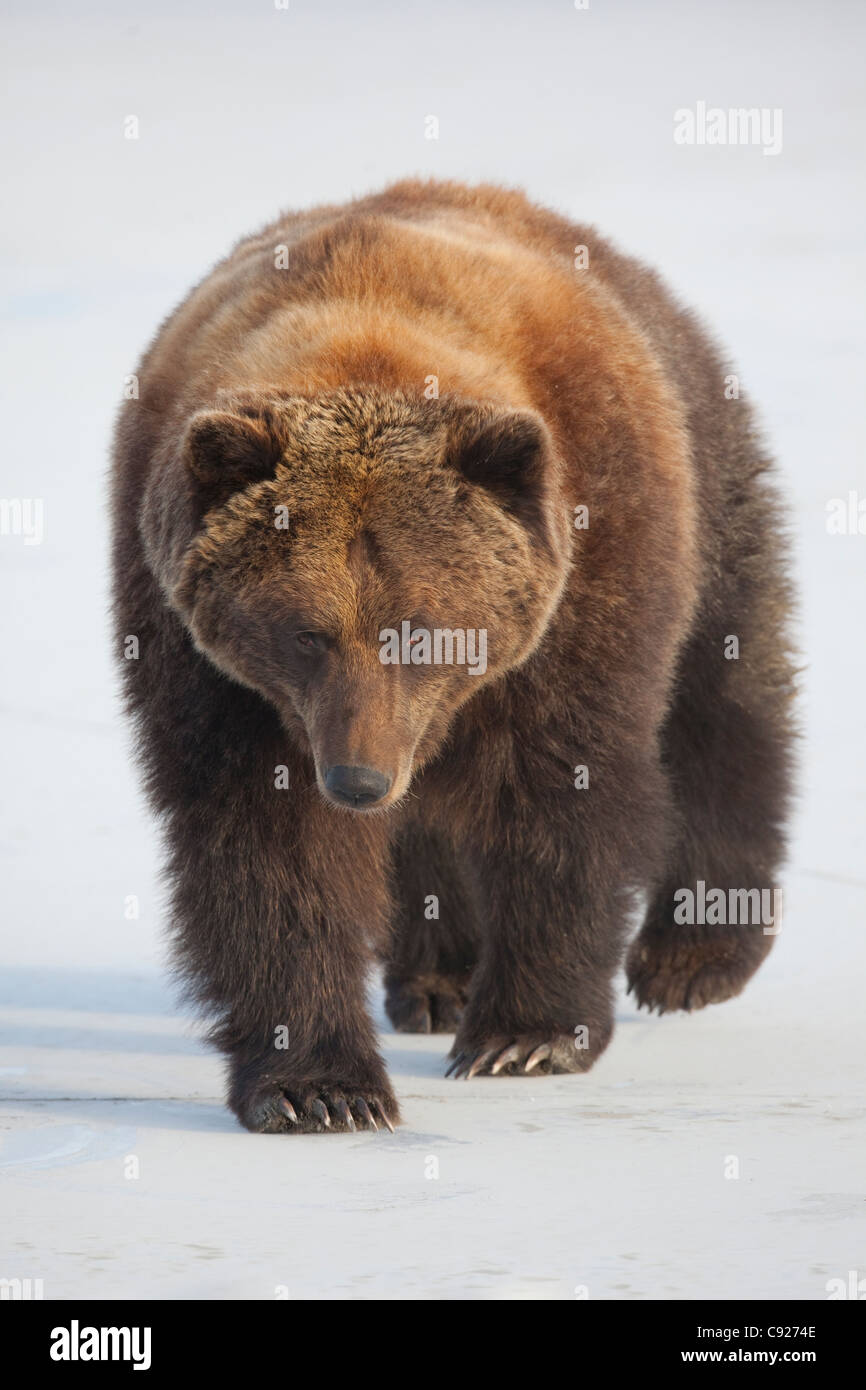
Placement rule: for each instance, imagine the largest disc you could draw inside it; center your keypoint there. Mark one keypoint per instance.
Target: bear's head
(367, 561)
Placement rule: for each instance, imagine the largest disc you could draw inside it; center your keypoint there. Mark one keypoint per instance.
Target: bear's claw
(344, 1114)
(519, 1058)
(318, 1112)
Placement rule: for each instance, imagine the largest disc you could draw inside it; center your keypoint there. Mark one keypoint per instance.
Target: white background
(613, 1181)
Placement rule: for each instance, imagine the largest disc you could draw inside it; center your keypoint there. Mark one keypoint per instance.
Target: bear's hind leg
(712, 919)
(432, 948)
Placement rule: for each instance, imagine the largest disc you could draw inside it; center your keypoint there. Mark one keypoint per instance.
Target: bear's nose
(357, 786)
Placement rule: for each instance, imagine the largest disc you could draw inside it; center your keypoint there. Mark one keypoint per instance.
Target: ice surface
(614, 1182)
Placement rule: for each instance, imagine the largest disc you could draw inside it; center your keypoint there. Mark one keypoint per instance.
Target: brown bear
(459, 584)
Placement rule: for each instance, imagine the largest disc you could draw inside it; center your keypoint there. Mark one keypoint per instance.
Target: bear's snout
(357, 787)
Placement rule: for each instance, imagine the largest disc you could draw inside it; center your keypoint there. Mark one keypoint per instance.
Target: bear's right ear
(225, 452)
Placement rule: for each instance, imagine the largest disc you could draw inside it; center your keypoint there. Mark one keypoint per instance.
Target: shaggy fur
(299, 393)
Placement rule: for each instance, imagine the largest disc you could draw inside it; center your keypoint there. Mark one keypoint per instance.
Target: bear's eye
(311, 641)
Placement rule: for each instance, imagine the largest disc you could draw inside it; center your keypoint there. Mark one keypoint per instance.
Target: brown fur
(304, 388)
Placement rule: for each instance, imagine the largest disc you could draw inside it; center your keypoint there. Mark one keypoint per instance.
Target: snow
(612, 1184)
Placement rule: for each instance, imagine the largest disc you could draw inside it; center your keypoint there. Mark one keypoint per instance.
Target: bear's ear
(504, 451)
(224, 452)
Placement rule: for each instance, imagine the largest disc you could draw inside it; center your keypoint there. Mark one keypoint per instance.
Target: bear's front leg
(541, 999)
(553, 889)
(276, 914)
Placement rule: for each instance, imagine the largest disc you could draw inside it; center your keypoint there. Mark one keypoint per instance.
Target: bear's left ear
(507, 452)
(224, 452)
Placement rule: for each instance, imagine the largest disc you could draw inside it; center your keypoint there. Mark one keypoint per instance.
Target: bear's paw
(428, 1004)
(666, 973)
(528, 1054)
(276, 1110)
